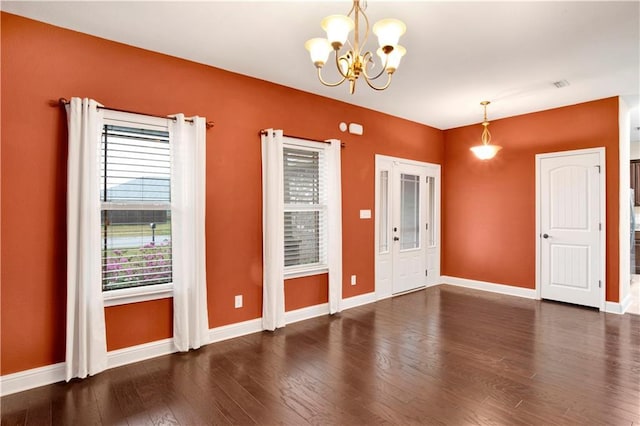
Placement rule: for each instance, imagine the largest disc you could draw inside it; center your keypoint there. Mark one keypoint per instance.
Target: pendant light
(486, 151)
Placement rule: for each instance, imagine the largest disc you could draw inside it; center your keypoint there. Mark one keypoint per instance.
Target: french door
(407, 225)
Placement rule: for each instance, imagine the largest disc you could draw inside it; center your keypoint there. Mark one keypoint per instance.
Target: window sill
(137, 294)
(299, 273)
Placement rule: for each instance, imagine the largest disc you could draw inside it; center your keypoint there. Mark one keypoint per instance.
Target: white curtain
(334, 243)
(188, 150)
(273, 230)
(86, 345)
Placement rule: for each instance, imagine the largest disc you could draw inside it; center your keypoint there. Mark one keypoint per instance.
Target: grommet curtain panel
(273, 230)
(334, 219)
(188, 151)
(86, 346)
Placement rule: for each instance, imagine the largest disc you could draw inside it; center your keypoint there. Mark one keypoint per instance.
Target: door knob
(545, 236)
(396, 238)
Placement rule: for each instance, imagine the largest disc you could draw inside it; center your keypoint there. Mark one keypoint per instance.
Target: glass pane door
(409, 211)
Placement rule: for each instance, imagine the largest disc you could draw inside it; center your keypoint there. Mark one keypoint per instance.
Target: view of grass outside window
(136, 214)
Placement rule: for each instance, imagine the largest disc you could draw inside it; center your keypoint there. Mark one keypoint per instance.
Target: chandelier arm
(353, 6)
(486, 135)
(329, 84)
(356, 33)
(366, 34)
(342, 58)
(368, 80)
(368, 56)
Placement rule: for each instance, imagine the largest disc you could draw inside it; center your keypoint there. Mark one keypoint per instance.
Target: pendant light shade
(485, 152)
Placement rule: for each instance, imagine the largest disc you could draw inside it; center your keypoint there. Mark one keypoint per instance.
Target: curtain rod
(63, 102)
(264, 132)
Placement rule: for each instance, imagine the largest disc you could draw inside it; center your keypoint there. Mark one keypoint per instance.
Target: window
(305, 208)
(383, 210)
(135, 198)
(409, 211)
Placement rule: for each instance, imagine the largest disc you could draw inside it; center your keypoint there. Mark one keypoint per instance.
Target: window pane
(432, 211)
(135, 165)
(409, 211)
(302, 230)
(301, 176)
(136, 248)
(384, 211)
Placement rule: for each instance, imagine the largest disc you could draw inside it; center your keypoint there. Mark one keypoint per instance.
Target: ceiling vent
(560, 84)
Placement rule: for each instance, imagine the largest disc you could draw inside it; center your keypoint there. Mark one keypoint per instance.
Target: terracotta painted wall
(41, 63)
(489, 207)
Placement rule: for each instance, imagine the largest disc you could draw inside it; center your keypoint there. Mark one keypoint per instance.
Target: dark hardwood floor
(444, 355)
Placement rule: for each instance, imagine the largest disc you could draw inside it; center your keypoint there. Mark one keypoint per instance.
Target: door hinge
(600, 227)
(599, 283)
(427, 226)
(598, 169)
(426, 272)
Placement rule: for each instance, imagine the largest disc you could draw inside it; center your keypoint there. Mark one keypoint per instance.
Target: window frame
(322, 267)
(149, 292)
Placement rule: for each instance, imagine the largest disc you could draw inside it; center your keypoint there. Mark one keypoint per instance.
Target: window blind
(135, 177)
(304, 207)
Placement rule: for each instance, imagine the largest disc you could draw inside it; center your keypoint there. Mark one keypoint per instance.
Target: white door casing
(407, 209)
(570, 227)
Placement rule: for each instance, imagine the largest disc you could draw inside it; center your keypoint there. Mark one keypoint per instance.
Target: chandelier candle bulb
(389, 32)
(319, 49)
(392, 59)
(338, 28)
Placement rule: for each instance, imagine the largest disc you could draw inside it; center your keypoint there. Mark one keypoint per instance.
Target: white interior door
(570, 206)
(407, 225)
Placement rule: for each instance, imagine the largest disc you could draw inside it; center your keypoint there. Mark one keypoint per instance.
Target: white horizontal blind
(305, 208)
(135, 182)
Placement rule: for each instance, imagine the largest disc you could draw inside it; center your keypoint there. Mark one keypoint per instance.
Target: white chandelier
(486, 151)
(354, 63)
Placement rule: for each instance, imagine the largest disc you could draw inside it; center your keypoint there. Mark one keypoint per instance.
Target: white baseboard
(626, 303)
(137, 353)
(323, 309)
(306, 313)
(492, 287)
(41, 376)
(29, 379)
(230, 331)
(618, 308)
(362, 299)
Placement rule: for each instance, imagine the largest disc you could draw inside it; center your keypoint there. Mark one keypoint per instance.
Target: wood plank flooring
(442, 356)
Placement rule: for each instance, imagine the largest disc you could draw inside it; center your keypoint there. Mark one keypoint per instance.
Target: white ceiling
(459, 53)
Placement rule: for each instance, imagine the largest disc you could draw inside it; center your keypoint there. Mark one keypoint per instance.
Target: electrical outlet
(353, 280)
(239, 301)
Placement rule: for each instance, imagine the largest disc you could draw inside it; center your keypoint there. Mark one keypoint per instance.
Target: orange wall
(489, 207)
(41, 63)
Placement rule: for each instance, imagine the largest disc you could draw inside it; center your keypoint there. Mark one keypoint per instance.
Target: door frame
(435, 172)
(603, 217)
